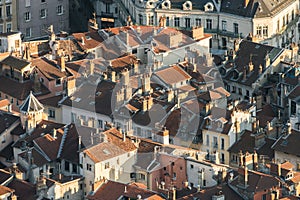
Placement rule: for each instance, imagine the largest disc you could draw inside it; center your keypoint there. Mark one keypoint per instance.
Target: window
(224, 25)
(142, 177)
(192, 166)
(174, 176)
(168, 21)
(287, 18)
(0, 12)
(43, 13)
(8, 10)
(176, 22)
(58, 82)
(283, 21)
(151, 20)
(43, 1)
(73, 117)
(222, 158)
(265, 31)
(187, 22)
(107, 7)
(293, 14)
(8, 27)
(100, 123)
(88, 167)
(59, 10)
(198, 22)
(141, 19)
(27, 3)
(222, 143)
(240, 91)
(17, 43)
(236, 28)
(27, 16)
(207, 140)
(106, 165)
(278, 25)
(74, 168)
(215, 142)
(51, 113)
(258, 30)
(12, 100)
(1, 30)
(208, 24)
(67, 166)
(293, 108)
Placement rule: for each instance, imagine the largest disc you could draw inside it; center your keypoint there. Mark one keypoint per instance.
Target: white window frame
(27, 16)
(44, 14)
(60, 9)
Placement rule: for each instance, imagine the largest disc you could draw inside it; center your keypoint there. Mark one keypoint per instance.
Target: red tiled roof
(173, 75)
(5, 190)
(132, 191)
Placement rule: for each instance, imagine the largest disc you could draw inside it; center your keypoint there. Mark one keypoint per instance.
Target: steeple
(31, 112)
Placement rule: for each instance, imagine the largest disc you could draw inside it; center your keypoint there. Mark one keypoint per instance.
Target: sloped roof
(174, 74)
(132, 191)
(31, 104)
(15, 62)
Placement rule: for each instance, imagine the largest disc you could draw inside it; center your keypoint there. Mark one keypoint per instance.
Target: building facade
(272, 22)
(35, 16)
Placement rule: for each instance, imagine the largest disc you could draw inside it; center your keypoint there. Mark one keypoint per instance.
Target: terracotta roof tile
(132, 191)
(173, 75)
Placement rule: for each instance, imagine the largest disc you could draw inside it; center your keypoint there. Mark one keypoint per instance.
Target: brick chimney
(61, 63)
(197, 33)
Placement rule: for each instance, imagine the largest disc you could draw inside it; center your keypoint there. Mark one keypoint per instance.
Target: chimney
(124, 135)
(61, 63)
(244, 73)
(241, 158)
(59, 176)
(267, 60)
(54, 133)
(279, 168)
(289, 128)
(113, 76)
(92, 138)
(236, 45)
(246, 3)
(197, 33)
(260, 69)
(79, 142)
(37, 84)
(255, 161)
(251, 66)
(92, 67)
(82, 41)
(165, 136)
(254, 126)
(174, 193)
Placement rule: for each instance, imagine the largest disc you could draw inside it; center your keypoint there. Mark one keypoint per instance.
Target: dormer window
(235, 75)
(209, 7)
(58, 82)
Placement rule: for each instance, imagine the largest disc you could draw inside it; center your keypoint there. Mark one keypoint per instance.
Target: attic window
(106, 151)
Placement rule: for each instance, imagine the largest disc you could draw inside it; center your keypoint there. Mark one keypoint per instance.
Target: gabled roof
(31, 104)
(15, 62)
(288, 144)
(23, 189)
(173, 74)
(132, 191)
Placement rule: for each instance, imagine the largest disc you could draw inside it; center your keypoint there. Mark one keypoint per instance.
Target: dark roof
(105, 192)
(258, 182)
(7, 152)
(6, 120)
(4, 176)
(93, 98)
(15, 62)
(247, 144)
(19, 90)
(23, 189)
(295, 93)
(18, 130)
(238, 7)
(208, 193)
(288, 144)
(52, 101)
(250, 51)
(199, 5)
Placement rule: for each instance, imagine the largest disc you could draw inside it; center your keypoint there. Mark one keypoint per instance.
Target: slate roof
(31, 104)
(23, 189)
(6, 120)
(288, 144)
(250, 51)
